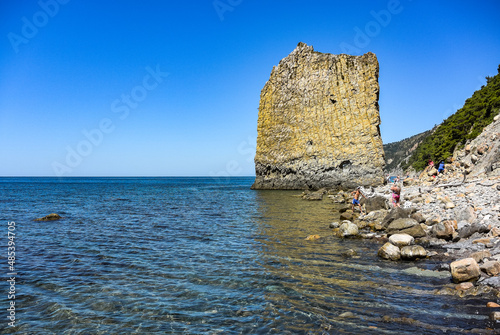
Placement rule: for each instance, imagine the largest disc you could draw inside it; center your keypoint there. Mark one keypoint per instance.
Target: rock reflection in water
(320, 286)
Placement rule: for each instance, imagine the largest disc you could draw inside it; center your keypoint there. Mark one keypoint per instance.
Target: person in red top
(396, 194)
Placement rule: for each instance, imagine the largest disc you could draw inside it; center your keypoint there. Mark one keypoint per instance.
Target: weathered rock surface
(464, 270)
(401, 240)
(374, 203)
(318, 123)
(390, 251)
(394, 214)
(412, 252)
(348, 229)
(491, 268)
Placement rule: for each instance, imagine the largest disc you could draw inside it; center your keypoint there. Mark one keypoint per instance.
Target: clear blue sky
(171, 88)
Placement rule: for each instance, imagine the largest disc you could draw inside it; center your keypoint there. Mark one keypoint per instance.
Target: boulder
(374, 203)
(400, 224)
(480, 255)
(465, 214)
(464, 270)
(418, 217)
(334, 225)
(50, 217)
(491, 268)
(401, 240)
(394, 214)
(415, 231)
(389, 251)
(412, 252)
(316, 195)
(348, 229)
(339, 199)
(347, 215)
(444, 230)
(375, 216)
(435, 219)
(472, 229)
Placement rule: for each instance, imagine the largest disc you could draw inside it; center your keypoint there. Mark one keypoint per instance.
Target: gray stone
(444, 230)
(480, 255)
(400, 224)
(415, 231)
(491, 268)
(493, 282)
(375, 216)
(374, 203)
(316, 195)
(465, 214)
(394, 214)
(472, 229)
(418, 217)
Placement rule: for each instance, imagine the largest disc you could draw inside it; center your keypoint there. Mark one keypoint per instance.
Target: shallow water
(206, 256)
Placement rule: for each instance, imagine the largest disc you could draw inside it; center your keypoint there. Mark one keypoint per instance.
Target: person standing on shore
(396, 194)
(441, 167)
(355, 200)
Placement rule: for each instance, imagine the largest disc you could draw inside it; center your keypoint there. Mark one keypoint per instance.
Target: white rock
(401, 240)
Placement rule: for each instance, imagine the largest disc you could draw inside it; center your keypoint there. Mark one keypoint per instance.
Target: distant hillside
(466, 124)
(398, 153)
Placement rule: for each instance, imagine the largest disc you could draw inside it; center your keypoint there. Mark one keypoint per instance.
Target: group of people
(396, 194)
(440, 168)
(395, 189)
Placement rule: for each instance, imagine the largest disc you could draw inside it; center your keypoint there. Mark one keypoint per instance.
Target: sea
(205, 255)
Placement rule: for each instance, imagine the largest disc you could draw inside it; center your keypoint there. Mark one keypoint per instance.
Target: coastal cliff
(318, 123)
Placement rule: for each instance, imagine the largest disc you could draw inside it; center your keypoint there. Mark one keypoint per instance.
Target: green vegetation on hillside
(398, 153)
(466, 124)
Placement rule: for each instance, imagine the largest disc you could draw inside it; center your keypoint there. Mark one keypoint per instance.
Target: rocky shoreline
(452, 218)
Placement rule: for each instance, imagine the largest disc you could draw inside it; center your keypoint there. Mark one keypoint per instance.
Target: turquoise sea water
(204, 256)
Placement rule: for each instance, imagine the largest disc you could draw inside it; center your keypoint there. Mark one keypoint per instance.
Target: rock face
(318, 123)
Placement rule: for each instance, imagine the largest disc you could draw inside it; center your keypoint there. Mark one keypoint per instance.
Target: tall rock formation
(318, 123)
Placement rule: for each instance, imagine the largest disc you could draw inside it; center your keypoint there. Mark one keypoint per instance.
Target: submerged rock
(50, 217)
(348, 229)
